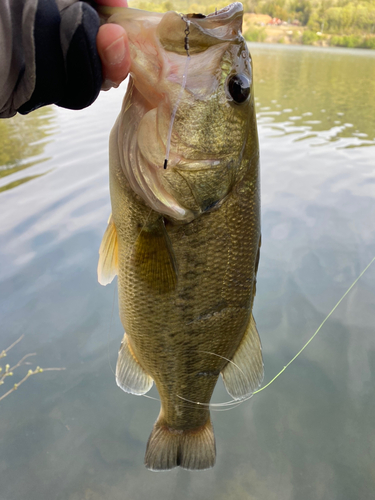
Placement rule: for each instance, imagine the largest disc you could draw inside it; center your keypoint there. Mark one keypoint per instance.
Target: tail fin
(193, 449)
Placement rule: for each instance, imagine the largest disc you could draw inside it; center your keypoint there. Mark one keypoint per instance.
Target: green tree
(301, 10)
(275, 8)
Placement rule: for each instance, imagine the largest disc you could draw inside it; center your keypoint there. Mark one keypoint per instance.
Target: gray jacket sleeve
(47, 55)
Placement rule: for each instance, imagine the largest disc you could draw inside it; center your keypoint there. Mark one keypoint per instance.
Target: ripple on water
(321, 89)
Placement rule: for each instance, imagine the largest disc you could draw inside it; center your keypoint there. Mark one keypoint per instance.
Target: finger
(113, 49)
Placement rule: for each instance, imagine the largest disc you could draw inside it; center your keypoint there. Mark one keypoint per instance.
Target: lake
(73, 435)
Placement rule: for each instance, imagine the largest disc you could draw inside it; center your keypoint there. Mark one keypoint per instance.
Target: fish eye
(238, 87)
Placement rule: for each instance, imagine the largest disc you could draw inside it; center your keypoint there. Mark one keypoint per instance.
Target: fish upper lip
(226, 12)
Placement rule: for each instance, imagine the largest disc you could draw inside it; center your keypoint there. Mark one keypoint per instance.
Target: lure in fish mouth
(184, 235)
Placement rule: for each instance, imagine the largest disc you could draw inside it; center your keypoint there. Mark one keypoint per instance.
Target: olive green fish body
(185, 241)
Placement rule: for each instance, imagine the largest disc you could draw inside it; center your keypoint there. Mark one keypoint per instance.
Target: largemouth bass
(184, 234)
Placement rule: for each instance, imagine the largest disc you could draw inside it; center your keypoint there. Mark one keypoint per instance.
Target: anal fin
(108, 255)
(244, 374)
(130, 376)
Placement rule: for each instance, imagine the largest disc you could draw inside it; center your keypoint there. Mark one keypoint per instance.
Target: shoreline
(318, 48)
(259, 30)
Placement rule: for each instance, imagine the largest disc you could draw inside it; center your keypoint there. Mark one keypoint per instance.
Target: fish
(184, 233)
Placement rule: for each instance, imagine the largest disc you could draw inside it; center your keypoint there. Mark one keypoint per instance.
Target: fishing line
(226, 359)
(197, 405)
(183, 84)
(319, 328)
(150, 397)
(235, 402)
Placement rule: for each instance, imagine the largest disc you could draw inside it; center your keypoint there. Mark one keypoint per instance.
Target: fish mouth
(220, 15)
(222, 24)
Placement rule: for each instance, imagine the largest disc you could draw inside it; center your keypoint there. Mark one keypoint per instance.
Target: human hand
(61, 55)
(113, 49)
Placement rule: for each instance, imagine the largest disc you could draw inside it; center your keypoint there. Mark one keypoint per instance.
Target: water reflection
(319, 95)
(22, 143)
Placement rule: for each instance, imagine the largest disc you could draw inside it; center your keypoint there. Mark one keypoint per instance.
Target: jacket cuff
(71, 78)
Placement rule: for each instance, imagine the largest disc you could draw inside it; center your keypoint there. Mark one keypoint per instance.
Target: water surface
(73, 435)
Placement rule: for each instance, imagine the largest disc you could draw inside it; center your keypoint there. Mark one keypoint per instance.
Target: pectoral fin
(245, 373)
(130, 376)
(154, 258)
(108, 255)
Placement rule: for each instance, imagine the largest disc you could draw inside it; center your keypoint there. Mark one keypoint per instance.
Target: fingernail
(115, 53)
(109, 84)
